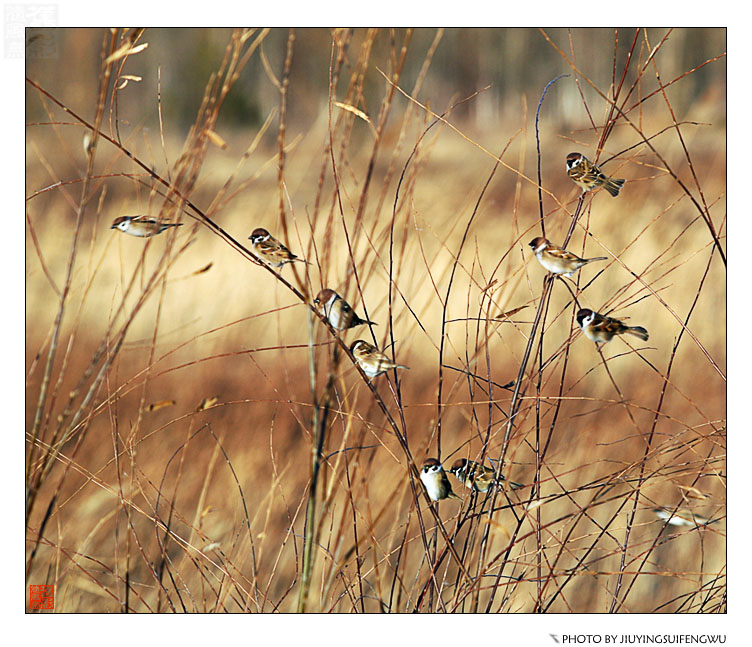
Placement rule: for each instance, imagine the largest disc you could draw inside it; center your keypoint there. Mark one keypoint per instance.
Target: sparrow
(371, 359)
(435, 479)
(583, 172)
(269, 250)
(477, 476)
(142, 226)
(682, 517)
(601, 329)
(338, 312)
(558, 260)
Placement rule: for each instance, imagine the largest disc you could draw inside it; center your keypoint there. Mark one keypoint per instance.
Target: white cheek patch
(588, 320)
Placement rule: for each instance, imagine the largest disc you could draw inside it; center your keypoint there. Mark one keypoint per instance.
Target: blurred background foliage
(512, 61)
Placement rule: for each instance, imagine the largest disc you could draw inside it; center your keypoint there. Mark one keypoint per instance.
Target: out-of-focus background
(170, 403)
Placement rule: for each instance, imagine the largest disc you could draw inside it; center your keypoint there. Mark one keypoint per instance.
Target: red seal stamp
(41, 596)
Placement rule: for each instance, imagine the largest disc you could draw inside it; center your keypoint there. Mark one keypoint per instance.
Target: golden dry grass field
(198, 440)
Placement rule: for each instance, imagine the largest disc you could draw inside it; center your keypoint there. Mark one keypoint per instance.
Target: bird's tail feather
(613, 186)
(359, 322)
(638, 331)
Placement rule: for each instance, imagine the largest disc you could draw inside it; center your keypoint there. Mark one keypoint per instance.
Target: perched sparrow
(477, 476)
(371, 359)
(583, 172)
(142, 226)
(558, 260)
(599, 328)
(269, 250)
(682, 517)
(338, 311)
(435, 479)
